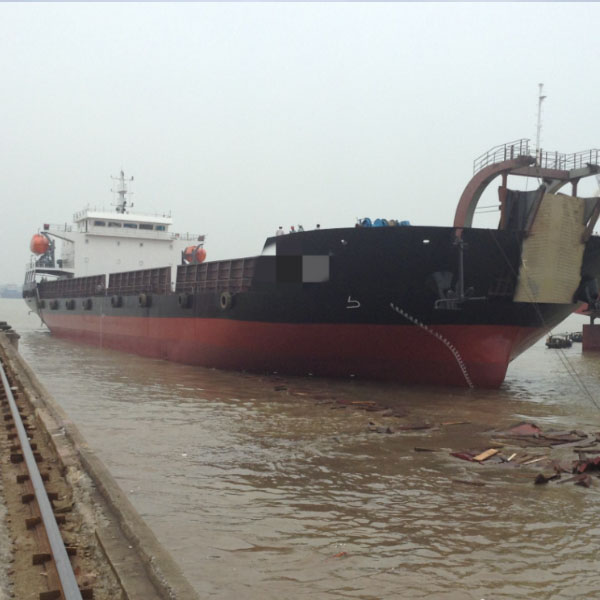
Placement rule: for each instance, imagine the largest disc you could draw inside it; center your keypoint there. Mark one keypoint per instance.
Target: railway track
(69, 531)
(52, 559)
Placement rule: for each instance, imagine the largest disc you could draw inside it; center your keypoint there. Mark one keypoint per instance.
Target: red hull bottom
(395, 352)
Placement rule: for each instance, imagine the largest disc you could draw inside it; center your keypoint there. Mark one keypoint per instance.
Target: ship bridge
(104, 241)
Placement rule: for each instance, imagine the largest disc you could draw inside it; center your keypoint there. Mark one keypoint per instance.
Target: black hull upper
(404, 279)
(369, 269)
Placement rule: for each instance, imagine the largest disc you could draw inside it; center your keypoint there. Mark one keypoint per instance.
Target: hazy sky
(240, 117)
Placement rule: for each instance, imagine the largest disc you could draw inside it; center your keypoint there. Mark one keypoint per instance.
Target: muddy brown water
(261, 493)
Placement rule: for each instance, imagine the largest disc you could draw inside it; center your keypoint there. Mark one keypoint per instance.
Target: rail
(500, 153)
(125, 232)
(112, 210)
(68, 583)
(544, 159)
(61, 227)
(567, 162)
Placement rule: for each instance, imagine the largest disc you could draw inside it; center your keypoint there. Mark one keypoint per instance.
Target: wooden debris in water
(485, 455)
(535, 460)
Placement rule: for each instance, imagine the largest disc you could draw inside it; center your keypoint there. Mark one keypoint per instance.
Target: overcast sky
(241, 117)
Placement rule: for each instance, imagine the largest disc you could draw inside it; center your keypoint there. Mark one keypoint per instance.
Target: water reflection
(267, 487)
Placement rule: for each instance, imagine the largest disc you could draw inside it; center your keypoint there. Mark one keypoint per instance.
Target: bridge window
(130, 225)
(99, 223)
(146, 226)
(160, 228)
(113, 224)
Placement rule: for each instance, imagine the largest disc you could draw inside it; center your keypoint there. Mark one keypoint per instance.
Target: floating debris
(470, 456)
(584, 480)
(587, 464)
(544, 478)
(529, 434)
(523, 428)
(485, 455)
(376, 428)
(534, 460)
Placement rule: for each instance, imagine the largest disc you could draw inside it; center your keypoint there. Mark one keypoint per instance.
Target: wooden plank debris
(535, 460)
(485, 455)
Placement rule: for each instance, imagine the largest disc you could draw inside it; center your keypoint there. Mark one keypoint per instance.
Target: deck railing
(544, 159)
(501, 153)
(567, 162)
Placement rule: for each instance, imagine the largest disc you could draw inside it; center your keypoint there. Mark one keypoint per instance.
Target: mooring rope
(439, 337)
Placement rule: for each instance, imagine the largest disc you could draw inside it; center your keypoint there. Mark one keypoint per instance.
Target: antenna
(541, 98)
(121, 190)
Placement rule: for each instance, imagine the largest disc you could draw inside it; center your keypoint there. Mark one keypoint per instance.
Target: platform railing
(60, 227)
(544, 159)
(567, 162)
(500, 153)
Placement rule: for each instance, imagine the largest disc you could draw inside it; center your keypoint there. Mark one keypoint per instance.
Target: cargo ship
(384, 300)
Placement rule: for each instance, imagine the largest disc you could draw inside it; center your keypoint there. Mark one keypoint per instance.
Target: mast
(121, 190)
(538, 150)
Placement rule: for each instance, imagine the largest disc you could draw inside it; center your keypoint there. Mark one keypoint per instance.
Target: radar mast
(121, 191)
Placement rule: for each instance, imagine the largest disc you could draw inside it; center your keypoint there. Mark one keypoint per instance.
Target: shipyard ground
(117, 556)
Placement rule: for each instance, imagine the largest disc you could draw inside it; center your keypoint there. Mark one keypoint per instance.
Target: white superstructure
(101, 241)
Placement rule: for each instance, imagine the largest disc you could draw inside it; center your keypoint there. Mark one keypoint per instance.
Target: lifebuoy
(87, 304)
(225, 301)
(54, 304)
(116, 301)
(70, 304)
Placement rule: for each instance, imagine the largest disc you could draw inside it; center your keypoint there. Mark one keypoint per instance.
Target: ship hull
(452, 355)
(381, 310)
